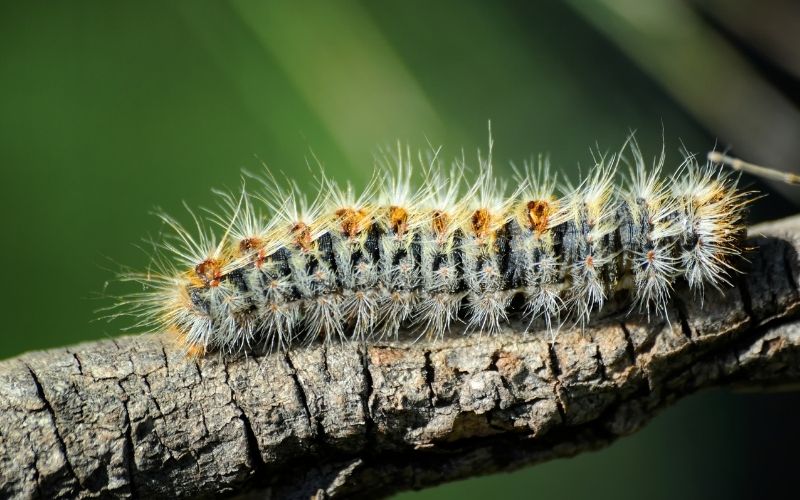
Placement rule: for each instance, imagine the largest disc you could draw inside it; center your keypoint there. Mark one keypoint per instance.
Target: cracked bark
(133, 417)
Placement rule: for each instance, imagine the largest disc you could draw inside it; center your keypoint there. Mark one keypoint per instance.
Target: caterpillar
(347, 266)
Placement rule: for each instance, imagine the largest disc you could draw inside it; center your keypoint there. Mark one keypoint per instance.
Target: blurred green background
(109, 110)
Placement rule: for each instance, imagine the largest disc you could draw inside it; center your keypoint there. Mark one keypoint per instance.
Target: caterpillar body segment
(648, 219)
(350, 267)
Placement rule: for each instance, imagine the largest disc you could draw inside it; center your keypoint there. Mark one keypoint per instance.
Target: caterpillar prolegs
(396, 258)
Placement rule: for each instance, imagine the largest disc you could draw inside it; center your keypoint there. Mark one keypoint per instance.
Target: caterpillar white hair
(396, 258)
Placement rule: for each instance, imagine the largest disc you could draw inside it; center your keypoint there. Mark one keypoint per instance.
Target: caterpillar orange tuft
(395, 258)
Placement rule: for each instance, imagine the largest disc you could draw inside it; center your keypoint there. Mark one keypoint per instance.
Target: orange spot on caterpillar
(480, 222)
(209, 271)
(440, 222)
(351, 220)
(398, 220)
(590, 261)
(651, 256)
(248, 244)
(538, 215)
(302, 236)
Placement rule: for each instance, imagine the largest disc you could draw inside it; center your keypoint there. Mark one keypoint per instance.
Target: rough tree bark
(132, 417)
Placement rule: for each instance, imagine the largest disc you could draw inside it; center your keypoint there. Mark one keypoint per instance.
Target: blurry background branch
(693, 59)
(134, 417)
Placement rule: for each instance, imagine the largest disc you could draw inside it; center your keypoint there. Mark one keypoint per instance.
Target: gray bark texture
(133, 417)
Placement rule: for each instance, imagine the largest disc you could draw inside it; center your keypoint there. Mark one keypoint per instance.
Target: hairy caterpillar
(357, 267)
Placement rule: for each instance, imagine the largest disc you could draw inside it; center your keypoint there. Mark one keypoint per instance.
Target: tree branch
(133, 417)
